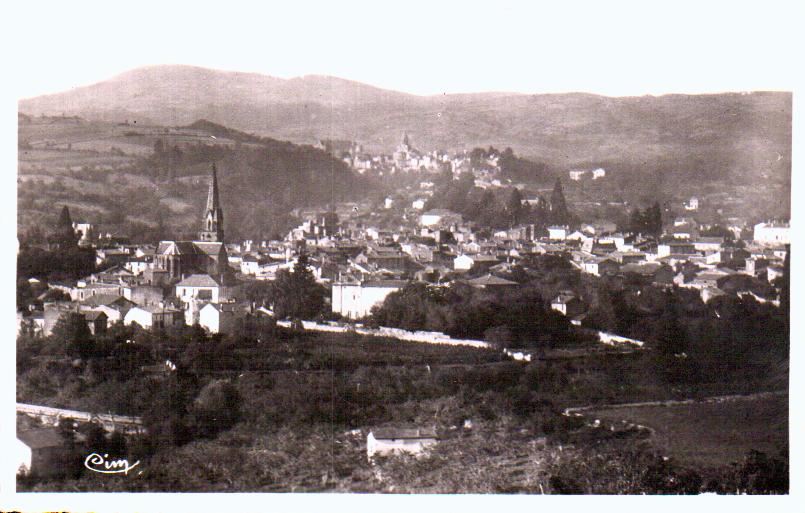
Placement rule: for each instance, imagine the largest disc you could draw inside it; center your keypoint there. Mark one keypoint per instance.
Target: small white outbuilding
(386, 441)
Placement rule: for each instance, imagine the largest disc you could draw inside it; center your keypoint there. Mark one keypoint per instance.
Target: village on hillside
(553, 288)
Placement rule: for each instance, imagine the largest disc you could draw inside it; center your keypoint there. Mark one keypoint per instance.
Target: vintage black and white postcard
(401, 249)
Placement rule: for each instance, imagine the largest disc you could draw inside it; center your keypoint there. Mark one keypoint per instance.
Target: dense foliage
(465, 312)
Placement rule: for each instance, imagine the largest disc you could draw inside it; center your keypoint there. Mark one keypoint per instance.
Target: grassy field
(711, 434)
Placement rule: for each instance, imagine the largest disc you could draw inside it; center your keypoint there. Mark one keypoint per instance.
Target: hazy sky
(422, 47)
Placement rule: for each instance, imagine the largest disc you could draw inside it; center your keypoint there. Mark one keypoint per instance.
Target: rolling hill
(110, 174)
(716, 131)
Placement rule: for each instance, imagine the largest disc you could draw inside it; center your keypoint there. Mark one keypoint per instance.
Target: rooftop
(392, 433)
(40, 438)
(490, 280)
(199, 280)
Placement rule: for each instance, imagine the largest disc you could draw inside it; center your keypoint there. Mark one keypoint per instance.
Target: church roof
(172, 247)
(186, 247)
(208, 248)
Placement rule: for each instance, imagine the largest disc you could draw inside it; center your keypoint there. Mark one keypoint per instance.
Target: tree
(71, 330)
(653, 219)
(216, 409)
(670, 340)
(63, 236)
(514, 207)
(559, 212)
(501, 337)
(297, 295)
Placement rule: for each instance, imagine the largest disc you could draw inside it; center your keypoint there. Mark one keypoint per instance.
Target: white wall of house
(772, 234)
(560, 307)
(148, 319)
(463, 263)
(590, 267)
(430, 219)
(556, 233)
(206, 293)
(216, 321)
(356, 300)
(249, 267)
(384, 446)
(140, 316)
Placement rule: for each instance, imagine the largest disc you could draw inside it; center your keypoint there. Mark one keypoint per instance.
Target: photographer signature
(100, 463)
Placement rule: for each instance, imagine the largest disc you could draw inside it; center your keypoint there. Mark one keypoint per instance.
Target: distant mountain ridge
(717, 131)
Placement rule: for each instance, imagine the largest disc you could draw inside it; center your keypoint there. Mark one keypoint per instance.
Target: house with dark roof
(220, 317)
(200, 287)
(115, 307)
(96, 321)
(568, 304)
(491, 282)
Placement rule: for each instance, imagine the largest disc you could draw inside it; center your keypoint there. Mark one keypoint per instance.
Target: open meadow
(710, 434)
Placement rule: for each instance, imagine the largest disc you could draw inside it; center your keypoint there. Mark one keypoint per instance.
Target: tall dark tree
(64, 236)
(72, 332)
(670, 341)
(636, 221)
(515, 208)
(297, 295)
(653, 217)
(559, 212)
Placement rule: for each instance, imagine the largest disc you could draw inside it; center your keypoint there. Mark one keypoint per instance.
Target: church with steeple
(177, 261)
(212, 229)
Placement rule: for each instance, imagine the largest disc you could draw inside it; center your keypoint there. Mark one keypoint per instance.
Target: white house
(773, 233)
(355, 300)
(218, 318)
(463, 263)
(708, 243)
(249, 265)
(418, 204)
(599, 173)
(693, 204)
(567, 304)
(154, 317)
(199, 286)
(557, 232)
(439, 216)
(577, 174)
(388, 441)
(137, 266)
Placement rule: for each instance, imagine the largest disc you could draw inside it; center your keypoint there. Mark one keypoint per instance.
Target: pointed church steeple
(212, 227)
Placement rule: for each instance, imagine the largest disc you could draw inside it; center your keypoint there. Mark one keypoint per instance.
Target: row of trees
(520, 318)
(500, 209)
(647, 222)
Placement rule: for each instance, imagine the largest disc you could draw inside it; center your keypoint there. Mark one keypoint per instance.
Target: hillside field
(711, 434)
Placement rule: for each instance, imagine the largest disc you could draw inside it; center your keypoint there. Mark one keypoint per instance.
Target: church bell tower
(212, 227)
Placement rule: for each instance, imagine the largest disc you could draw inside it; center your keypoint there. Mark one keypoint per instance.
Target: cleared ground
(710, 434)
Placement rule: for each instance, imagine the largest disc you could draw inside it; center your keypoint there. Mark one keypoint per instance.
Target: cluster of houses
(362, 260)
(404, 159)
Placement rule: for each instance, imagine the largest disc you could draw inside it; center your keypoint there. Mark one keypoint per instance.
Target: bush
(216, 409)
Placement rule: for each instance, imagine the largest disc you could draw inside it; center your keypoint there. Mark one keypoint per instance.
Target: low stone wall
(429, 337)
